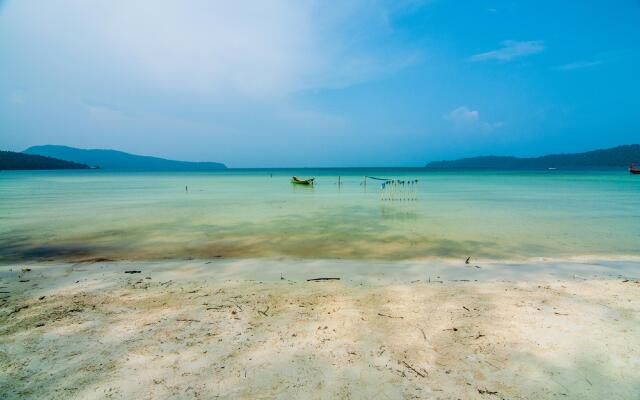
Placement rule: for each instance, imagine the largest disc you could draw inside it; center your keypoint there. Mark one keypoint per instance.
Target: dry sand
(225, 330)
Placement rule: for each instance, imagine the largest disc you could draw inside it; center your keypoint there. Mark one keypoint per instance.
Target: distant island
(10, 160)
(113, 159)
(620, 156)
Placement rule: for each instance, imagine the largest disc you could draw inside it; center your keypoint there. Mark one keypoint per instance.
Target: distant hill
(620, 156)
(10, 160)
(112, 159)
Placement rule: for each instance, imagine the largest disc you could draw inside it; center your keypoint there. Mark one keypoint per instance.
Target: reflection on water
(86, 214)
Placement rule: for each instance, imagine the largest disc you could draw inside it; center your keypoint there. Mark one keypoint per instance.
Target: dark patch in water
(94, 260)
(23, 250)
(56, 251)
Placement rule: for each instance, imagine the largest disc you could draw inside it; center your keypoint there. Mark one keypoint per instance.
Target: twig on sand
(132, 272)
(322, 279)
(264, 312)
(414, 370)
(187, 320)
(388, 316)
(423, 334)
(467, 260)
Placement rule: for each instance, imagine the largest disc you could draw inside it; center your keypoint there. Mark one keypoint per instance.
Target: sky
(304, 83)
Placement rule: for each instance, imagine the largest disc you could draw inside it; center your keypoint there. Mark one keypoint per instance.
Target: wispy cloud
(578, 65)
(511, 49)
(466, 119)
(248, 48)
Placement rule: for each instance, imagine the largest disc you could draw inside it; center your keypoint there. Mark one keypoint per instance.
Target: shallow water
(71, 215)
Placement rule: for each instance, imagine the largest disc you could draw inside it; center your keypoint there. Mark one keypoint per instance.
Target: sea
(406, 214)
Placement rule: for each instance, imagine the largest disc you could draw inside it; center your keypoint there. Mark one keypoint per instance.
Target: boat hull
(307, 182)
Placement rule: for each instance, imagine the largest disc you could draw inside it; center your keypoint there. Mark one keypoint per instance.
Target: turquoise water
(72, 215)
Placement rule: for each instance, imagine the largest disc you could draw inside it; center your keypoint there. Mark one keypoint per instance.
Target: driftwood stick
(322, 279)
(388, 316)
(414, 370)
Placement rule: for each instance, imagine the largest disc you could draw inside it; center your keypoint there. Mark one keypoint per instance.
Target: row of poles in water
(396, 189)
(399, 190)
(393, 189)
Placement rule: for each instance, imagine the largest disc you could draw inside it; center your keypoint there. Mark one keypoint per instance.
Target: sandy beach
(246, 329)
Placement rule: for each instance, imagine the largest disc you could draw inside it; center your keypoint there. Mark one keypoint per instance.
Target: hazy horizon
(361, 83)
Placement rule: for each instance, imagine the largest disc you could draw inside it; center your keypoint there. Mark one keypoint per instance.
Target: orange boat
(634, 170)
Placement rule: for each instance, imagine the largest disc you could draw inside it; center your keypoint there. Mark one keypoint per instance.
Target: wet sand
(259, 329)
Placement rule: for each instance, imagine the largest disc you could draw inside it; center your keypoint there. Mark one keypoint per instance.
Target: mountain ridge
(619, 156)
(115, 159)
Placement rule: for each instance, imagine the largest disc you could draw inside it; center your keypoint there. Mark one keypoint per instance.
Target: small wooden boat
(298, 181)
(634, 170)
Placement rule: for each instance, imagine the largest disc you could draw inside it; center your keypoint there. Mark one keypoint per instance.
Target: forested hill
(10, 160)
(113, 159)
(620, 156)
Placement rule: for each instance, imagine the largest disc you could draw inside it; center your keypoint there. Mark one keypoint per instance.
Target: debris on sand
(389, 316)
(421, 374)
(485, 391)
(18, 309)
(322, 279)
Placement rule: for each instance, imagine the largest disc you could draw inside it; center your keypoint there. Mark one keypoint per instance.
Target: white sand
(235, 329)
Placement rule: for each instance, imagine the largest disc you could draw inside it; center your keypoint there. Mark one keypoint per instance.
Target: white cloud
(243, 48)
(511, 49)
(465, 119)
(578, 65)
(463, 115)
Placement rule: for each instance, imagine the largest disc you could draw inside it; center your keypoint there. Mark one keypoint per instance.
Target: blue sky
(256, 83)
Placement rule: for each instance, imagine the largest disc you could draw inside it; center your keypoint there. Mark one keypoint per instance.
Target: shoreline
(369, 271)
(257, 328)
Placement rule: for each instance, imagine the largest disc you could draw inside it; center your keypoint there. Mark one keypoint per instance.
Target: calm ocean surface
(72, 215)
